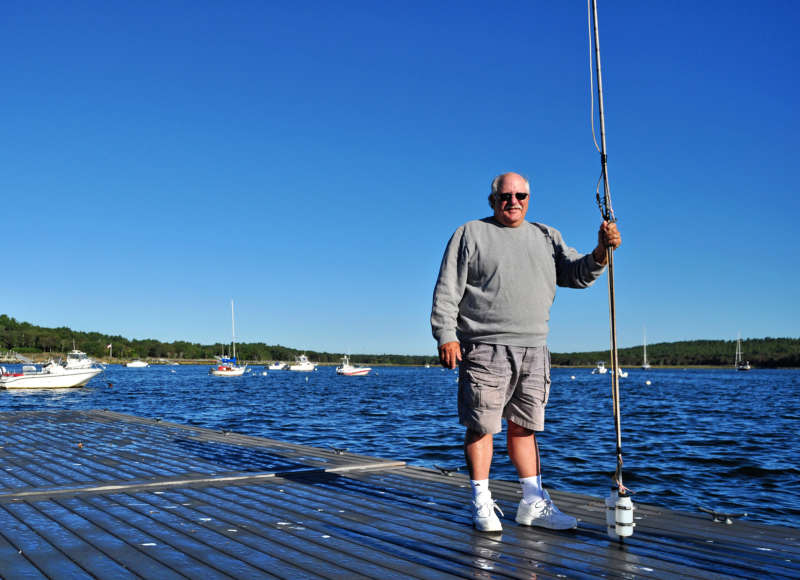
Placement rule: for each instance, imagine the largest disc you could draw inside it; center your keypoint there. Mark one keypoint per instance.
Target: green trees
(28, 338)
(761, 352)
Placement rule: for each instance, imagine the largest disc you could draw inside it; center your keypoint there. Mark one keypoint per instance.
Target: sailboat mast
(608, 215)
(644, 345)
(738, 350)
(233, 332)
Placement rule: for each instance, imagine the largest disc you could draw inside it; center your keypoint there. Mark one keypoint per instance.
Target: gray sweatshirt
(496, 284)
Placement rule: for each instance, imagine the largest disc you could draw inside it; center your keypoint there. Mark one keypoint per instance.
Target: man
(491, 307)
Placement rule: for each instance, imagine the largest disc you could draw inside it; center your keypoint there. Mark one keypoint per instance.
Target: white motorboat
(137, 364)
(349, 370)
(600, 369)
(50, 376)
(303, 365)
(226, 366)
(740, 363)
(277, 366)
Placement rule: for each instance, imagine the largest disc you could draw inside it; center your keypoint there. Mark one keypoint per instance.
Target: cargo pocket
(534, 389)
(484, 389)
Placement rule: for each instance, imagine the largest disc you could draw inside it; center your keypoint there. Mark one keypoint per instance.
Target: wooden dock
(97, 494)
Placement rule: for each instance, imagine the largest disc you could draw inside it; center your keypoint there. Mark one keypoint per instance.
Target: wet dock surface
(105, 495)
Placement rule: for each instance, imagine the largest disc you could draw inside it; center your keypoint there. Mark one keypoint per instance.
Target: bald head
(511, 211)
(498, 181)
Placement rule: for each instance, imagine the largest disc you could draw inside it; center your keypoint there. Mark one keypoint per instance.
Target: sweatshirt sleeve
(573, 269)
(449, 289)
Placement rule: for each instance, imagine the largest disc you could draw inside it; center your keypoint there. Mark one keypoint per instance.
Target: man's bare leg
(478, 449)
(523, 450)
(536, 507)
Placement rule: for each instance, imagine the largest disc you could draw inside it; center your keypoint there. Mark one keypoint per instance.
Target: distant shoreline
(39, 358)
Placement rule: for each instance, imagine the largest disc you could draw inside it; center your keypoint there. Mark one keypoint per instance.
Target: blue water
(720, 439)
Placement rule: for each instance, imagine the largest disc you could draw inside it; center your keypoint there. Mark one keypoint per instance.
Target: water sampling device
(619, 507)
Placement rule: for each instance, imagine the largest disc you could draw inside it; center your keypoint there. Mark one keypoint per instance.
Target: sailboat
(740, 363)
(226, 366)
(645, 364)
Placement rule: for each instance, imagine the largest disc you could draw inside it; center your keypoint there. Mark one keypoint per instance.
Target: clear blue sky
(310, 161)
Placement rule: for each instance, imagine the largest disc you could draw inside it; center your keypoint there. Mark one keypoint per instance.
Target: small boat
(645, 364)
(600, 369)
(277, 366)
(349, 370)
(302, 365)
(137, 364)
(622, 373)
(51, 375)
(226, 366)
(740, 363)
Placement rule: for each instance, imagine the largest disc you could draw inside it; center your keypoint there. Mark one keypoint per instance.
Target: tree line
(26, 338)
(761, 352)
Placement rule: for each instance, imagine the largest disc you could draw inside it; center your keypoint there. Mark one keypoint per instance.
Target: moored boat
(302, 365)
(137, 364)
(350, 370)
(227, 366)
(49, 376)
(600, 369)
(277, 366)
(740, 363)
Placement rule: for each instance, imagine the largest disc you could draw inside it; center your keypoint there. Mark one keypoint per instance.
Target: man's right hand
(450, 354)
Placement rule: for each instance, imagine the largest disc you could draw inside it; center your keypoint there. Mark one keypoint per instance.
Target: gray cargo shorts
(497, 381)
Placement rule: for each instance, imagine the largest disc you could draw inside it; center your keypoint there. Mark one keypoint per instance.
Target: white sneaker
(544, 514)
(483, 517)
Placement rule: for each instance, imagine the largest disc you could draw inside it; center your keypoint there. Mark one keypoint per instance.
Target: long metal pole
(609, 215)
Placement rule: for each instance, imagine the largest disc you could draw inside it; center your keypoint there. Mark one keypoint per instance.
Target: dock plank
(106, 495)
(138, 545)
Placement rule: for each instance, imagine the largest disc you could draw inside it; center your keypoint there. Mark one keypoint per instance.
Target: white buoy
(647, 382)
(624, 516)
(264, 374)
(573, 377)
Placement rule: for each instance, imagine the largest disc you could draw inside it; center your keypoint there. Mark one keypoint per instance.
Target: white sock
(532, 488)
(480, 490)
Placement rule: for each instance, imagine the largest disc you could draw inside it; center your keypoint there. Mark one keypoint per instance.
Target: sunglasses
(506, 197)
